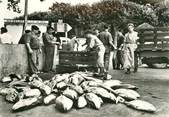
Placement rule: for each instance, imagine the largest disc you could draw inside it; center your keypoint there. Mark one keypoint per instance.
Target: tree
(116, 13)
(13, 5)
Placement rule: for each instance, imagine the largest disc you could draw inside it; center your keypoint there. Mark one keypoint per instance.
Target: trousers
(33, 61)
(49, 55)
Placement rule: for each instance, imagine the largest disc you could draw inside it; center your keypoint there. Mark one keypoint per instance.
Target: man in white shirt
(94, 43)
(5, 38)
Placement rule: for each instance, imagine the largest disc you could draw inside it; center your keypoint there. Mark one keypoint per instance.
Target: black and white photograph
(84, 58)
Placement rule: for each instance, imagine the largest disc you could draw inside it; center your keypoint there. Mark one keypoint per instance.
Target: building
(15, 27)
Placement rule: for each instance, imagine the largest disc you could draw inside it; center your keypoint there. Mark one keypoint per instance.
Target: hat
(34, 27)
(130, 24)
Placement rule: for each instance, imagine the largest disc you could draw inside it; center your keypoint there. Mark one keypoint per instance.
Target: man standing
(93, 43)
(107, 40)
(119, 58)
(129, 47)
(33, 46)
(49, 43)
(5, 38)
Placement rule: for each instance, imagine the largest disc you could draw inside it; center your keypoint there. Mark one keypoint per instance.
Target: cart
(154, 45)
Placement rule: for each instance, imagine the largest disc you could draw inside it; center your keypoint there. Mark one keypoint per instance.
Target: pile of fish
(67, 91)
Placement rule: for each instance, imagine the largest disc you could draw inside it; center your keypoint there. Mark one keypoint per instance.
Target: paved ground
(153, 87)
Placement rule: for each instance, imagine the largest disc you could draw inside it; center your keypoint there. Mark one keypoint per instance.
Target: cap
(130, 24)
(34, 27)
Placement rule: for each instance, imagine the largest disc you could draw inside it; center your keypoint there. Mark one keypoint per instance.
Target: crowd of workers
(101, 42)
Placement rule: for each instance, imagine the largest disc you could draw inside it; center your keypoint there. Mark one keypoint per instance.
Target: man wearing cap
(129, 46)
(33, 46)
(49, 44)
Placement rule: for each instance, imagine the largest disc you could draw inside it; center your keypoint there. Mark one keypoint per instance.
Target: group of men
(33, 45)
(103, 44)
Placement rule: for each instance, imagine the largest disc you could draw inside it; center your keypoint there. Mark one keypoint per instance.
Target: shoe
(135, 70)
(128, 71)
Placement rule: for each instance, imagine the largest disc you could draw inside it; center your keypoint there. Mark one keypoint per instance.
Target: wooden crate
(74, 58)
(70, 61)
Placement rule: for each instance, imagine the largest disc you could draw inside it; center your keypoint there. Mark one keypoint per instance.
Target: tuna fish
(44, 88)
(29, 102)
(112, 83)
(103, 93)
(125, 86)
(141, 105)
(61, 85)
(63, 103)
(93, 100)
(81, 102)
(49, 98)
(32, 93)
(70, 94)
(78, 89)
(76, 79)
(127, 94)
(58, 78)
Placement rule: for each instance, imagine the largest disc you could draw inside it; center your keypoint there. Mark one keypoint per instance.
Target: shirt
(48, 39)
(5, 38)
(94, 42)
(105, 37)
(33, 40)
(23, 39)
(131, 37)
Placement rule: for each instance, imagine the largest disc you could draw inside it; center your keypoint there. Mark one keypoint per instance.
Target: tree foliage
(117, 13)
(13, 5)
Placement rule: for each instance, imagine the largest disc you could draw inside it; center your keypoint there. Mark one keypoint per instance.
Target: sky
(36, 5)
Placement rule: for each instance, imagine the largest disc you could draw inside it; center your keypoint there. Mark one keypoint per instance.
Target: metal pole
(25, 17)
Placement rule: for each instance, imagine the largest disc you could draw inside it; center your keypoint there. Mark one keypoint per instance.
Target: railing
(154, 39)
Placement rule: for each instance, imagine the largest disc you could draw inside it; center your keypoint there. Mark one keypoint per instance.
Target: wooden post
(25, 17)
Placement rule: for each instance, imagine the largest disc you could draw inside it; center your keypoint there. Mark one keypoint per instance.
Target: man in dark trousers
(49, 42)
(33, 46)
(119, 59)
(107, 40)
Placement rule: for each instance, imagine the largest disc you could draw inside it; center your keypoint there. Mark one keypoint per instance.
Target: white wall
(16, 30)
